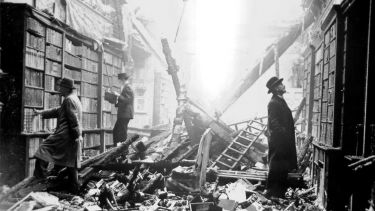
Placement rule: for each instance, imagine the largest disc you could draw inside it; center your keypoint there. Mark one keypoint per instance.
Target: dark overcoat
(125, 112)
(281, 142)
(61, 147)
(126, 103)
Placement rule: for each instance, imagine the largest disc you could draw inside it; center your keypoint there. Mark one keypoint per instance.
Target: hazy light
(215, 39)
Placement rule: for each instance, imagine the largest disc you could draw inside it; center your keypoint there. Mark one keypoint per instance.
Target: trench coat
(282, 154)
(61, 147)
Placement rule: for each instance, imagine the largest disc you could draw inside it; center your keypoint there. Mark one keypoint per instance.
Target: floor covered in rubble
(135, 176)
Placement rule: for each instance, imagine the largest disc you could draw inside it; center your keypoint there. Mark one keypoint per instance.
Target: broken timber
(252, 174)
(103, 158)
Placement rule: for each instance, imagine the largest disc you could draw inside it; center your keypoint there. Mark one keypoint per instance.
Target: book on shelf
(73, 49)
(34, 58)
(73, 74)
(50, 124)
(52, 100)
(89, 120)
(33, 78)
(107, 58)
(72, 60)
(50, 83)
(33, 41)
(53, 68)
(89, 65)
(33, 97)
(108, 138)
(89, 90)
(89, 104)
(54, 37)
(89, 77)
(31, 123)
(108, 70)
(35, 26)
(117, 61)
(54, 53)
(107, 120)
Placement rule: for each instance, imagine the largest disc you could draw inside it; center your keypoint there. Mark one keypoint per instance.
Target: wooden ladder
(240, 145)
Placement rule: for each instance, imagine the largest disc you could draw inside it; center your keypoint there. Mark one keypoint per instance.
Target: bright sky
(218, 39)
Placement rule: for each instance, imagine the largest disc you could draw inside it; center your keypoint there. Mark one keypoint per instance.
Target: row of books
(33, 78)
(54, 37)
(51, 83)
(89, 121)
(31, 122)
(107, 106)
(50, 125)
(107, 123)
(89, 53)
(112, 59)
(72, 60)
(34, 59)
(89, 77)
(89, 104)
(73, 49)
(89, 90)
(54, 53)
(111, 70)
(35, 26)
(73, 74)
(108, 138)
(33, 97)
(51, 100)
(112, 81)
(90, 65)
(91, 140)
(53, 68)
(34, 41)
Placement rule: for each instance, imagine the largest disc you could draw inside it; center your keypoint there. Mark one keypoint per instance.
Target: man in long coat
(125, 110)
(62, 148)
(282, 154)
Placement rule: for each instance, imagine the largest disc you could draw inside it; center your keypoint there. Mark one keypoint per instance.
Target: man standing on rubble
(282, 156)
(62, 148)
(125, 112)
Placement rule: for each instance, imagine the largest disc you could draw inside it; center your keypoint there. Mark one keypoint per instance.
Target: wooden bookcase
(37, 53)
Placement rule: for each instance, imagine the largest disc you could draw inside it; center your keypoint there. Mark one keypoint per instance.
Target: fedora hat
(67, 83)
(273, 82)
(123, 76)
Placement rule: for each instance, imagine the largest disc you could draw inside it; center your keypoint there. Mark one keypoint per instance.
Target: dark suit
(125, 112)
(282, 148)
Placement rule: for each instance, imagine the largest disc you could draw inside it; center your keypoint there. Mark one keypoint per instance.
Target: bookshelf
(48, 52)
(111, 68)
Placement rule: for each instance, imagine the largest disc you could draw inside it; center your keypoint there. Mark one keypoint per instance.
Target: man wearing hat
(282, 155)
(125, 111)
(62, 148)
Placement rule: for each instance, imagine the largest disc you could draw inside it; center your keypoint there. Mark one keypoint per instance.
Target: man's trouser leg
(40, 170)
(73, 178)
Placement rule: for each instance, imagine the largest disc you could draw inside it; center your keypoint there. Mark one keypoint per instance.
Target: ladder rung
(224, 164)
(246, 138)
(228, 156)
(253, 134)
(235, 142)
(233, 149)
